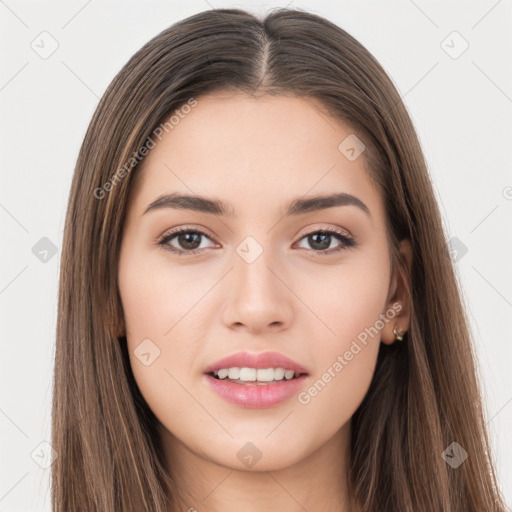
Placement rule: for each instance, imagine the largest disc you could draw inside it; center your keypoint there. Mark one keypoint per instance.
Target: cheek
(163, 324)
(345, 299)
(155, 302)
(349, 306)
(155, 296)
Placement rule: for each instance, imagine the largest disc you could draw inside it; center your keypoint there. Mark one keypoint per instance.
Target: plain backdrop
(449, 60)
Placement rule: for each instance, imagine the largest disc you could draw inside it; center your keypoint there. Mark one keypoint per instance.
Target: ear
(399, 296)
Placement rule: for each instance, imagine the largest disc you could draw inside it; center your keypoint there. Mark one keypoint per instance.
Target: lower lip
(256, 395)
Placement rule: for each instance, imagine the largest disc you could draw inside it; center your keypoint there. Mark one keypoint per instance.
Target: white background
(461, 107)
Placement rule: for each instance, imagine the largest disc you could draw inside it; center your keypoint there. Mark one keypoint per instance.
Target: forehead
(253, 152)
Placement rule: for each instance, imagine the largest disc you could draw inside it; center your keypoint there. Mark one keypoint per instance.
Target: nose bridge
(252, 267)
(258, 298)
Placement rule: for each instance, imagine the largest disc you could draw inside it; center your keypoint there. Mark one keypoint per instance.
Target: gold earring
(398, 336)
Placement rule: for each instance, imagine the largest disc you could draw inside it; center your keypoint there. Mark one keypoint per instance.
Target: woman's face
(261, 279)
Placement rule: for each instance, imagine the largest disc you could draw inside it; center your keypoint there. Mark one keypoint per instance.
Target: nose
(258, 298)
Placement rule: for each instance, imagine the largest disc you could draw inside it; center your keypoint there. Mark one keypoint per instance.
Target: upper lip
(257, 360)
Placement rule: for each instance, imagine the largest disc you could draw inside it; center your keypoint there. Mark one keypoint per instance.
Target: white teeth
(279, 373)
(222, 374)
(233, 373)
(253, 374)
(265, 375)
(247, 374)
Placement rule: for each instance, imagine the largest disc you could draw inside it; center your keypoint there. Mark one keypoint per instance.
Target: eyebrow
(218, 207)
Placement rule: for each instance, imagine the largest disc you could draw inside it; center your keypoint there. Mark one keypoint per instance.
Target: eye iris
(324, 244)
(189, 238)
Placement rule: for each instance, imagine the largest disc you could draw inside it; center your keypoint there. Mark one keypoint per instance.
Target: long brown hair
(425, 392)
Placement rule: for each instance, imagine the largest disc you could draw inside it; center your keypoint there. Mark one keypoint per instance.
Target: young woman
(257, 307)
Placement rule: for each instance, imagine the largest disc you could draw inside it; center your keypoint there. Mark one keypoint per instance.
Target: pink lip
(254, 395)
(259, 360)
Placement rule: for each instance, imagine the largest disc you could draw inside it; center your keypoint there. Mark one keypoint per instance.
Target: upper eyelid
(175, 231)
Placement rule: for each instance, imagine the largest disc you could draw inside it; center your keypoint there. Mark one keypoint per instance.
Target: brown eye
(321, 240)
(188, 240)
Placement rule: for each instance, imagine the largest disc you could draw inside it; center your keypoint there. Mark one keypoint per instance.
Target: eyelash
(346, 242)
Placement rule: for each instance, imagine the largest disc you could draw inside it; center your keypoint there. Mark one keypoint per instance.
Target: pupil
(320, 245)
(187, 240)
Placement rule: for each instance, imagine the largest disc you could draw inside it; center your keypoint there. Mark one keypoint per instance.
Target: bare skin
(257, 155)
